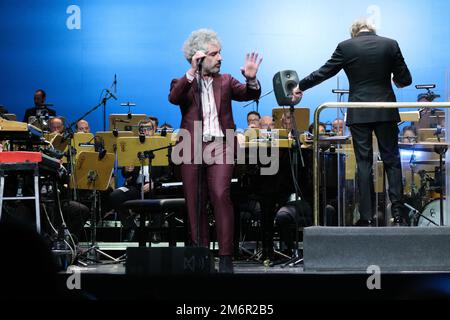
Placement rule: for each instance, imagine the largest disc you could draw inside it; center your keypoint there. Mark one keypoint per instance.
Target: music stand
(94, 174)
(109, 139)
(126, 122)
(129, 147)
(57, 141)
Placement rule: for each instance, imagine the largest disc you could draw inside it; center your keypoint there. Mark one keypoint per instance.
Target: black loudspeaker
(169, 260)
(283, 84)
(389, 248)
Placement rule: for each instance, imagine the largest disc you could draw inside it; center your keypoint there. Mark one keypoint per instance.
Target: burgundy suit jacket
(226, 88)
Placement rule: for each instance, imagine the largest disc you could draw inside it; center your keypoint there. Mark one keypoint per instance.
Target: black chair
(153, 206)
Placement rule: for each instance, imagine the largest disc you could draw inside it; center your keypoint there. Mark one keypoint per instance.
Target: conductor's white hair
(359, 25)
(199, 41)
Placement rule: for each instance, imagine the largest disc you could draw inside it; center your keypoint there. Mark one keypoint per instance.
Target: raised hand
(251, 66)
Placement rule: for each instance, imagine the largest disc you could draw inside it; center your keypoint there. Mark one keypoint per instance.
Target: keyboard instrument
(19, 132)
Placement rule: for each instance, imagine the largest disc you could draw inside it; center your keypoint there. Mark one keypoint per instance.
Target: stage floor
(253, 283)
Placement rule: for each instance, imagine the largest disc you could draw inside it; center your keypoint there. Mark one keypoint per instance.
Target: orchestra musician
(39, 109)
(83, 126)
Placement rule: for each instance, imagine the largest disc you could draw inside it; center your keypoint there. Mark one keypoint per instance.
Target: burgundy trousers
(216, 185)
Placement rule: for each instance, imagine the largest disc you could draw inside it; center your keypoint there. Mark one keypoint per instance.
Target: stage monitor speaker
(169, 260)
(392, 249)
(283, 84)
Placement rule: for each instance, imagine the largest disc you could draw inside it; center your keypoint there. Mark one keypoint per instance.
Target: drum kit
(423, 172)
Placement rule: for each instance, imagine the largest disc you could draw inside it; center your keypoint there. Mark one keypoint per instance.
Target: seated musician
(266, 123)
(253, 120)
(132, 190)
(288, 123)
(337, 127)
(83, 126)
(155, 122)
(409, 135)
(56, 125)
(322, 128)
(430, 117)
(39, 109)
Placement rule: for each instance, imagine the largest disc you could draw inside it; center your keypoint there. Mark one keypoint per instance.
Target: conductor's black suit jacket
(368, 61)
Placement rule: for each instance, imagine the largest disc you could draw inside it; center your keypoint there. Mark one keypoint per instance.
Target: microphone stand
(70, 132)
(441, 150)
(200, 169)
(257, 100)
(109, 95)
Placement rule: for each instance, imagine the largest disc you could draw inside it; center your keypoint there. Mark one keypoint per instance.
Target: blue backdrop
(72, 49)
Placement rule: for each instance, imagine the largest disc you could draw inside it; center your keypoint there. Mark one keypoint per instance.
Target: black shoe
(365, 223)
(225, 264)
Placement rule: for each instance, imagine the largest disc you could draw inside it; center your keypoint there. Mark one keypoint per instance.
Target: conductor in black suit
(371, 64)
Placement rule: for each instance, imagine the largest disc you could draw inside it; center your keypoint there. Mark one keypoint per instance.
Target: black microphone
(101, 154)
(111, 94)
(115, 83)
(99, 144)
(200, 65)
(141, 137)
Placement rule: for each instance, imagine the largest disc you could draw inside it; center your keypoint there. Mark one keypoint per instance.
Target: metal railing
(361, 105)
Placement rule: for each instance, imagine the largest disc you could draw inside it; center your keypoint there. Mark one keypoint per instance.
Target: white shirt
(211, 125)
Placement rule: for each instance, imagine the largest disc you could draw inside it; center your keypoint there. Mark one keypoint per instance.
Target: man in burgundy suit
(203, 52)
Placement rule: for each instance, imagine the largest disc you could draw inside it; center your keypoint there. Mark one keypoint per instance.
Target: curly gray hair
(359, 25)
(199, 40)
